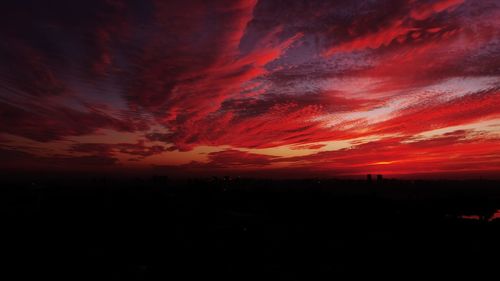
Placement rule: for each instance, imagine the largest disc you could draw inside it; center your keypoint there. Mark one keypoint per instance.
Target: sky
(272, 88)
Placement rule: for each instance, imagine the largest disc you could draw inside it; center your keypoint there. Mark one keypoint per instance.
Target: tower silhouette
(380, 178)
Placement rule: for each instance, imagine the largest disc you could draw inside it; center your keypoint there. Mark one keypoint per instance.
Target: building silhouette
(380, 178)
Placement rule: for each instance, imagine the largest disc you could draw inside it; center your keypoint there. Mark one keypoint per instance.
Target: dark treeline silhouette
(250, 229)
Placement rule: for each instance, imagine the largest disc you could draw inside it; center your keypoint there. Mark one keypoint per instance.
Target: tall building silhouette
(380, 178)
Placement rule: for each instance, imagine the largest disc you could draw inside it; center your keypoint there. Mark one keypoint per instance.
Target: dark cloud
(45, 123)
(235, 158)
(225, 161)
(135, 149)
(23, 161)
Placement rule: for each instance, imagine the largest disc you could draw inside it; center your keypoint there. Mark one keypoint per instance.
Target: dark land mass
(244, 229)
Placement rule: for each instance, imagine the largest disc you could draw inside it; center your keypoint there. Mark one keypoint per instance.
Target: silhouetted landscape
(251, 229)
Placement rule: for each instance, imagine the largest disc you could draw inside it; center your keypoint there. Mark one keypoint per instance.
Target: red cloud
(463, 110)
(451, 152)
(424, 11)
(254, 74)
(398, 29)
(383, 37)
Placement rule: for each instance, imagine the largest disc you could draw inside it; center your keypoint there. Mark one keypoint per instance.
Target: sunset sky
(278, 88)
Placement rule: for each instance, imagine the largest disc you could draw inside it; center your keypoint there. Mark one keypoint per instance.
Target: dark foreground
(250, 230)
